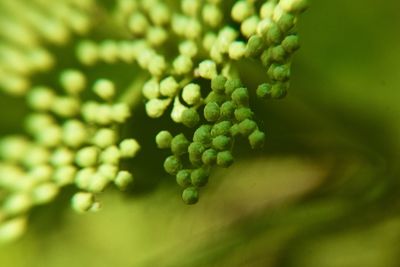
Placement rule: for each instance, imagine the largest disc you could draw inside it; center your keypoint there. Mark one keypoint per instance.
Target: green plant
(183, 57)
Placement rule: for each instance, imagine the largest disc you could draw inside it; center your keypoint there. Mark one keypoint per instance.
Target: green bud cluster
(180, 57)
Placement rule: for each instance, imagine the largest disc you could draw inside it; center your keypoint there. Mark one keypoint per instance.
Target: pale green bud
(87, 156)
(191, 93)
(138, 23)
(237, 50)
(73, 81)
(41, 98)
(83, 177)
(294, 6)
(120, 112)
(66, 106)
(231, 85)
(13, 148)
(193, 29)
(44, 193)
(212, 15)
(110, 155)
(17, 203)
(182, 64)
(40, 173)
(129, 148)
(12, 229)
(50, 136)
(36, 155)
(177, 110)
(65, 175)
(156, 36)
(160, 14)
(190, 7)
(188, 48)
(108, 170)
(151, 89)
(157, 65)
(203, 134)
(267, 9)
(240, 96)
(74, 133)
(207, 69)
(98, 183)
(254, 46)
(241, 10)
(104, 89)
(87, 52)
(249, 26)
(62, 156)
(123, 179)
(82, 201)
(169, 87)
(163, 139)
(104, 137)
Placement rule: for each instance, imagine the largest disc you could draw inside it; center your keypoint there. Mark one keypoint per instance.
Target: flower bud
(190, 195)
(172, 165)
(163, 139)
(212, 111)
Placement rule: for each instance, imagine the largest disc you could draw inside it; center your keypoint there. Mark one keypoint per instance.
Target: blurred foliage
(322, 193)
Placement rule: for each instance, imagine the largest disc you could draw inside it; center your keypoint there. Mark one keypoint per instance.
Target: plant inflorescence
(182, 58)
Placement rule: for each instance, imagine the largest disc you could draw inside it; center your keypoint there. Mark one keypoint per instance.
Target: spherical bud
(291, 43)
(294, 6)
(65, 175)
(227, 109)
(73, 81)
(155, 108)
(279, 90)
(82, 201)
(182, 64)
(183, 178)
(104, 137)
(87, 156)
(163, 139)
(240, 96)
(41, 98)
(151, 89)
(237, 50)
(190, 117)
(83, 177)
(190, 7)
(196, 150)
(129, 148)
(157, 65)
(241, 10)
(98, 183)
(243, 113)
(274, 34)
(188, 48)
(286, 22)
(66, 106)
(212, 111)
(87, 52)
(138, 23)
(203, 134)
(213, 96)
(179, 145)
(190, 195)
(199, 177)
(172, 165)
(44, 193)
(254, 46)
(264, 90)
(256, 139)
(221, 142)
(247, 126)
(17, 203)
(110, 155)
(218, 84)
(278, 54)
(74, 133)
(191, 93)
(62, 156)
(279, 72)
(104, 89)
(212, 15)
(224, 159)
(221, 128)
(249, 26)
(120, 112)
(123, 179)
(207, 69)
(169, 87)
(209, 156)
(156, 36)
(109, 171)
(177, 110)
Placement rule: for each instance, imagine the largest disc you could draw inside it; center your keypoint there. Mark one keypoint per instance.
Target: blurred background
(323, 192)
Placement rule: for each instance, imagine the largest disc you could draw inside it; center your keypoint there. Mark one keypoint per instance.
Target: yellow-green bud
(183, 178)
(190, 195)
(199, 177)
(179, 145)
(172, 165)
(163, 139)
(212, 111)
(224, 159)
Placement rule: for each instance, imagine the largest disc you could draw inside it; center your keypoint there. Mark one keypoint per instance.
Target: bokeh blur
(323, 192)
